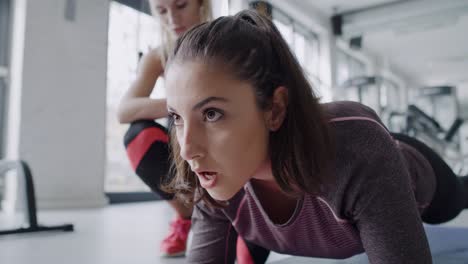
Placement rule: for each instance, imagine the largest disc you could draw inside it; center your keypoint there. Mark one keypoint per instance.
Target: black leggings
(147, 148)
(450, 197)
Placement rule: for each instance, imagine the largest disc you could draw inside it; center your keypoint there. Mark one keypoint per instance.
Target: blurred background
(65, 64)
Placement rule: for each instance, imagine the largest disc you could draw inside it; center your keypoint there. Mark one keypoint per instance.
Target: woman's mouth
(179, 30)
(207, 179)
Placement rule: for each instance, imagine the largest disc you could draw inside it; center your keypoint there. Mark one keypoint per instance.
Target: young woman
(146, 141)
(264, 160)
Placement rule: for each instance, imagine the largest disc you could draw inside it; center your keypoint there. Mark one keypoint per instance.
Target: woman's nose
(190, 144)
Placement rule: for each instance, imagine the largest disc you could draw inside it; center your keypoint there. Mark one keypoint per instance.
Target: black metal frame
(23, 167)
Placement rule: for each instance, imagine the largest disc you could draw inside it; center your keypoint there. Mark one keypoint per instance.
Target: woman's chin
(221, 196)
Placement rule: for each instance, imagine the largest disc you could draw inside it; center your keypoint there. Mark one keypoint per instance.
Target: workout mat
(449, 245)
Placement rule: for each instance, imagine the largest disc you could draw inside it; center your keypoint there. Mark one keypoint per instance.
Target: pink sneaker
(243, 254)
(175, 243)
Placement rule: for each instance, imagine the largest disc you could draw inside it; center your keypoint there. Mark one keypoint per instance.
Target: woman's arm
(384, 209)
(136, 104)
(214, 238)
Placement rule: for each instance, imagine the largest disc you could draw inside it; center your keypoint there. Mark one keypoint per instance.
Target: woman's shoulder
(347, 110)
(352, 119)
(151, 61)
(360, 136)
(364, 149)
(153, 55)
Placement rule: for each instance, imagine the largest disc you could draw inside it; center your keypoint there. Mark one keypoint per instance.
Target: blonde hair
(167, 38)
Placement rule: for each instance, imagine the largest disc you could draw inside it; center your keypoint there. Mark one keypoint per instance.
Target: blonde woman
(146, 141)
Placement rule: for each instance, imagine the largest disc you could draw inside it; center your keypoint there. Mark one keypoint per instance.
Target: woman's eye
(177, 119)
(162, 11)
(181, 5)
(212, 115)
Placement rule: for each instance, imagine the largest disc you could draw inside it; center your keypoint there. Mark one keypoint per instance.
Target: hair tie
(249, 20)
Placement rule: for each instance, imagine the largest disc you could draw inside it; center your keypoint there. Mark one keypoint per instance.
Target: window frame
(311, 40)
(6, 11)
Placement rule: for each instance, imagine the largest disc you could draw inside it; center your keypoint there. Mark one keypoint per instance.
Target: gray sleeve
(213, 237)
(384, 208)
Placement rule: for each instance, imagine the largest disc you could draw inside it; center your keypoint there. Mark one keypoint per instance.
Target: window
(390, 95)
(131, 33)
(5, 11)
(348, 67)
(285, 27)
(225, 7)
(305, 45)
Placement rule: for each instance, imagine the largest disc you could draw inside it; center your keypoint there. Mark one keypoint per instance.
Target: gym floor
(128, 233)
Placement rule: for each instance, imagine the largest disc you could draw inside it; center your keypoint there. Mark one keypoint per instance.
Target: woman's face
(221, 132)
(178, 15)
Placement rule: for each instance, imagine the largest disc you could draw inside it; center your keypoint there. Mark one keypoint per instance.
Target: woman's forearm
(141, 108)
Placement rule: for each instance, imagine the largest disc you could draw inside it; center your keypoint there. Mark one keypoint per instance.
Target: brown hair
(252, 49)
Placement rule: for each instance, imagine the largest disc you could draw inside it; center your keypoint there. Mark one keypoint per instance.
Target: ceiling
(430, 54)
(331, 7)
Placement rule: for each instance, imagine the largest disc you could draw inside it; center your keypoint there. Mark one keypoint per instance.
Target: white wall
(59, 85)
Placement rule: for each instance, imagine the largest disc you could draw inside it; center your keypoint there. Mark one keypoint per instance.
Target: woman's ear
(279, 106)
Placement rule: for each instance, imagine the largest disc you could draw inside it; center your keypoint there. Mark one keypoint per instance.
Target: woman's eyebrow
(202, 103)
(209, 100)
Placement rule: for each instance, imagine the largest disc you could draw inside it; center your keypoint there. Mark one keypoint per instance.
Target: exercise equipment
(434, 118)
(420, 122)
(378, 92)
(33, 226)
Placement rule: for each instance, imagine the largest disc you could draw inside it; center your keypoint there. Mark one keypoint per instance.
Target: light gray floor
(115, 234)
